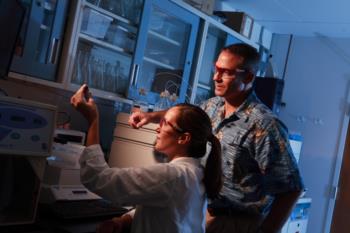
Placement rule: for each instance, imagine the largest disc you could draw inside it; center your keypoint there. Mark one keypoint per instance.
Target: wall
(316, 94)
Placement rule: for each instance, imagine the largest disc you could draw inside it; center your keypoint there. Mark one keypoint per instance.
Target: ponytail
(213, 171)
(201, 133)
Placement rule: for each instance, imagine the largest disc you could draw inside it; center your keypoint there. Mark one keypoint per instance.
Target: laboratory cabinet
(165, 49)
(40, 40)
(125, 50)
(132, 49)
(102, 45)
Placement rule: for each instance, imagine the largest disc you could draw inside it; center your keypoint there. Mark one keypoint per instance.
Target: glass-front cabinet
(38, 48)
(140, 50)
(164, 52)
(133, 49)
(106, 41)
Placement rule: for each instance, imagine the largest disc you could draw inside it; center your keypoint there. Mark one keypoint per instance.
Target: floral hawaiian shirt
(257, 159)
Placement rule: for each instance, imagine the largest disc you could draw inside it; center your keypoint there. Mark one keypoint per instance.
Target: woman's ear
(185, 138)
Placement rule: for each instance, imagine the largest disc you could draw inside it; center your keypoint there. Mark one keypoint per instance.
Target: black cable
(63, 118)
(3, 92)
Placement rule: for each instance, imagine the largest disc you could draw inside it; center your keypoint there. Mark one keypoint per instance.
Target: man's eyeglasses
(228, 73)
(164, 122)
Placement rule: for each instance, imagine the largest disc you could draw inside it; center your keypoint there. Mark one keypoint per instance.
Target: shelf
(158, 35)
(30, 79)
(214, 22)
(102, 94)
(150, 60)
(44, 27)
(49, 6)
(206, 87)
(104, 44)
(114, 16)
(130, 35)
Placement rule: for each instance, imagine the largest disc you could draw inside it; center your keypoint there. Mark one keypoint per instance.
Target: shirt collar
(191, 160)
(245, 108)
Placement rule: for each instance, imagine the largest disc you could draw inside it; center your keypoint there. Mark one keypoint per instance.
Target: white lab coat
(170, 197)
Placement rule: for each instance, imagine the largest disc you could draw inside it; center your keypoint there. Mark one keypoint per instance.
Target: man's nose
(217, 76)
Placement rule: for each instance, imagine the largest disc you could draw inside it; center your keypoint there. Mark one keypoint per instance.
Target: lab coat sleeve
(151, 185)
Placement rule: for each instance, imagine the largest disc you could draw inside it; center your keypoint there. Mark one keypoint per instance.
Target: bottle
(163, 102)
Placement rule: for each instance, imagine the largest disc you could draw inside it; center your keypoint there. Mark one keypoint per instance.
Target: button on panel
(35, 138)
(15, 136)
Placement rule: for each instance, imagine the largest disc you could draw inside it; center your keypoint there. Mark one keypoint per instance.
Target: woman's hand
(138, 119)
(85, 104)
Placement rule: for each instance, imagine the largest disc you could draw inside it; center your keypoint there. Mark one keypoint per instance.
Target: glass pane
(23, 33)
(101, 68)
(165, 53)
(128, 9)
(94, 23)
(47, 22)
(121, 35)
(202, 95)
(109, 30)
(215, 41)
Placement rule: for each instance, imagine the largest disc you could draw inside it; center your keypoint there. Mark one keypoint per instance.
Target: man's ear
(249, 78)
(185, 138)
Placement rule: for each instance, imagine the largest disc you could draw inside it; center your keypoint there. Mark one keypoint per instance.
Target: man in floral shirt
(261, 179)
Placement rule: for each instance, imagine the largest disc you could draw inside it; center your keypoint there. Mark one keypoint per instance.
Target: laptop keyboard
(85, 209)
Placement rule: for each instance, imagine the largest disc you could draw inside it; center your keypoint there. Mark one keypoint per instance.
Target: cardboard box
(207, 6)
(238, 21)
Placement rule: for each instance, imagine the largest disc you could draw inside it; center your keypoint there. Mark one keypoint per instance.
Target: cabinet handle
(38, 3)
(54, 51)
(134, 74)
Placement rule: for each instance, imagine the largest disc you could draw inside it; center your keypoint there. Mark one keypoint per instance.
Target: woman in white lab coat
(169, 197)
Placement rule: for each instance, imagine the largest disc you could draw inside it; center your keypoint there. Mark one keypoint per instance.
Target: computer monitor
(295, 141)
(11, 17)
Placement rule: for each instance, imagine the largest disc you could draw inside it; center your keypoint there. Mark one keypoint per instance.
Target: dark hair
(249, 54)
(194, 120)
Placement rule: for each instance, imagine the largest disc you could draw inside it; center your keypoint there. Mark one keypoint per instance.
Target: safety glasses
(228, 73)
(164, 122)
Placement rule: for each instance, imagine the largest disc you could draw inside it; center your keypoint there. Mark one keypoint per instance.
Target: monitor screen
(11, 17)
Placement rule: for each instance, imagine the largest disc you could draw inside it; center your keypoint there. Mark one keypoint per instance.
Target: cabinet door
(213, 40)
(105, 46)
(38, 49)
(164, 51)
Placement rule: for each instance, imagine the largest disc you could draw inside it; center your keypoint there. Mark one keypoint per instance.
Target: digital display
(79, 192)
(37, 121)
(64, 138)
(18, 118)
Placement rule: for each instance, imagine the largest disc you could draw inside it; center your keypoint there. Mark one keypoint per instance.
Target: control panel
(26, 127)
